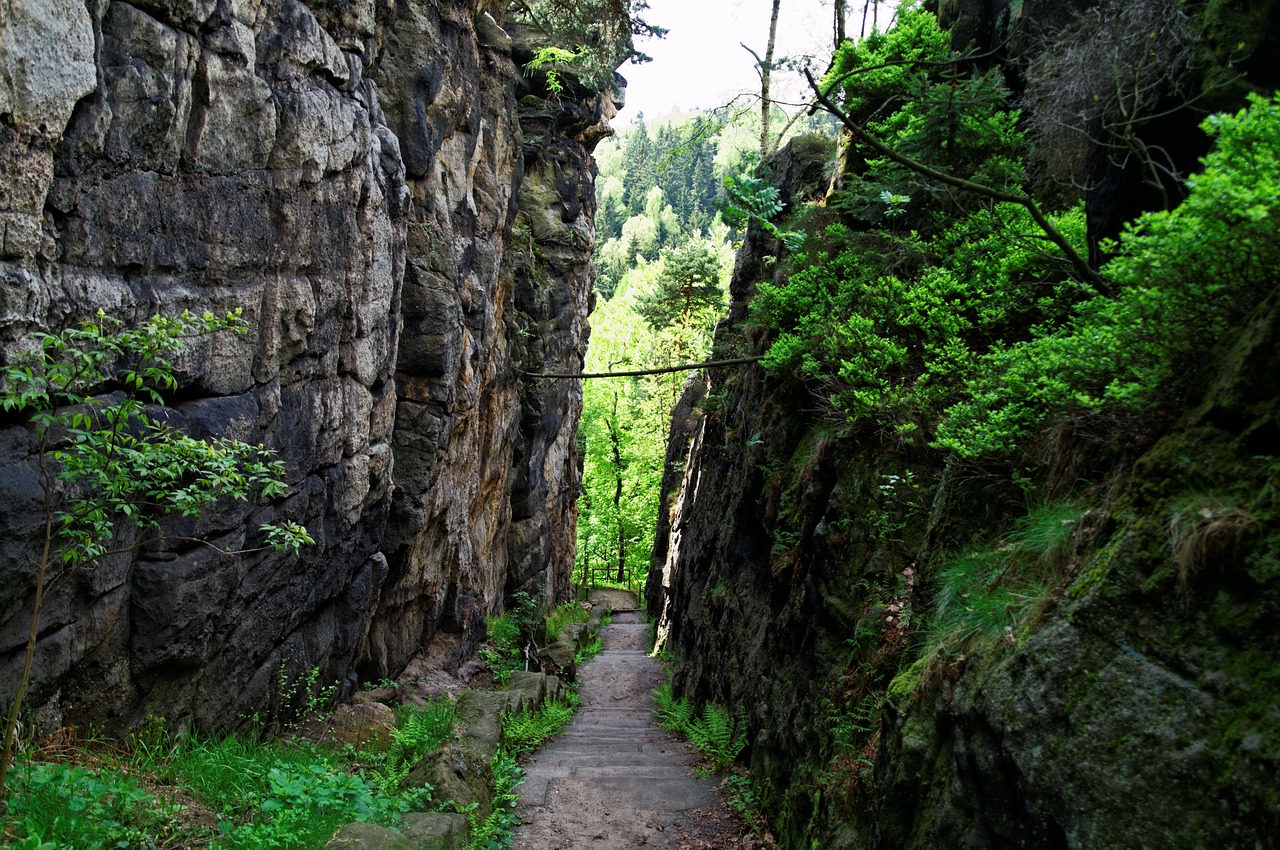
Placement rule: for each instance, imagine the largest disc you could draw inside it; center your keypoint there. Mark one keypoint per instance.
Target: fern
(720, 735)
(674, 715)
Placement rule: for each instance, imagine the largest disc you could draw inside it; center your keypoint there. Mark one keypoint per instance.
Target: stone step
(654, 794)
(665, 763)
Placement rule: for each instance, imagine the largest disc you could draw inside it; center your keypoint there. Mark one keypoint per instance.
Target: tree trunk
(615, 441)
(766, 78)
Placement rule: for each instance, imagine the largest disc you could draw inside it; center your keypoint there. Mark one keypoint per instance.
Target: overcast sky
(701, 63)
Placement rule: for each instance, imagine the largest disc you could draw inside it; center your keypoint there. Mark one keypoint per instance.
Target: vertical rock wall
(349, 174)
(798, 578)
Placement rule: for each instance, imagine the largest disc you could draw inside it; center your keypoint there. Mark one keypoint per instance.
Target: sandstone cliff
(405, 240)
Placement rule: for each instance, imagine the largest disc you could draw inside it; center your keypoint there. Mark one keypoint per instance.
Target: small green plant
(743, 800)
(674, 715)
(549, 58)
(718, 734)
(523, 732)
(498, 829)
(419, 731)
(590, 649)
(511, 634)
(751, 199)
(853, 727)
(562, 615)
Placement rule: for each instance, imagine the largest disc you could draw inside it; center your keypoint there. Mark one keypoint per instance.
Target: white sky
(701, 64)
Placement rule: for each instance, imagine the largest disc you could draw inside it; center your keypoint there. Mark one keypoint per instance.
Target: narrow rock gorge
(406, 220)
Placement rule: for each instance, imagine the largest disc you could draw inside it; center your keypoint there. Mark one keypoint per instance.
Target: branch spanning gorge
(406, 221)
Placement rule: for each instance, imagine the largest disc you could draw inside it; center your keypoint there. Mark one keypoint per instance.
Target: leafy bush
(960, 311)
(69, 806)
(1181, 277)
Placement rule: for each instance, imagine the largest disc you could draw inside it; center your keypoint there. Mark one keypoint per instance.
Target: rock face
(358, 178)
(1128, 713)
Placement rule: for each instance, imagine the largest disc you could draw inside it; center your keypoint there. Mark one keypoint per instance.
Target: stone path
(613, 780)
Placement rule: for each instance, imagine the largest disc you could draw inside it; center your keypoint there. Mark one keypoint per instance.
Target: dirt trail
(613, 780)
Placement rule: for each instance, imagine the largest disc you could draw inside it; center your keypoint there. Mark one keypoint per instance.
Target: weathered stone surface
(366, 726)
(436, 830)
(164, 155)
(368, 836)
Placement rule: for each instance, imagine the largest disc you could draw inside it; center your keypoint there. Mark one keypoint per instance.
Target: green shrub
(69, 806)
(1181, 277)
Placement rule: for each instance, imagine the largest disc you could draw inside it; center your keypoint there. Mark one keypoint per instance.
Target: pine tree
(689, 284)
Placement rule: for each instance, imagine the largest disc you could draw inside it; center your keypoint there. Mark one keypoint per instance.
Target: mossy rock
(436, 830)
(368, 836)
(456, 773)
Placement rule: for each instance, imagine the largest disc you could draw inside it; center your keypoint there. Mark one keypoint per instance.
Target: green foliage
(1182, 276)
(603, 32)
(590, 649)
(717, 733)
(510, 632)
(419, 731)
(688, 287)
(68, 806)
(523, 732)
(751, 199)
(943, 317)
(888, 313)
(106, 460)
(625, 421)
(304, 806)
(743, 799)
(549, 58)
(117, 460)
(264, 792)
(498, 829)
(562, 615)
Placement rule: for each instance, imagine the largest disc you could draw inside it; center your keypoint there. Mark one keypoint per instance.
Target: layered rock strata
(350, 174)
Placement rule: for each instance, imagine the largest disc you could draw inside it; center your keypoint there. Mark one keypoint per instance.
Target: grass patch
(245, 791)
(987, 594)
(562, 615)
